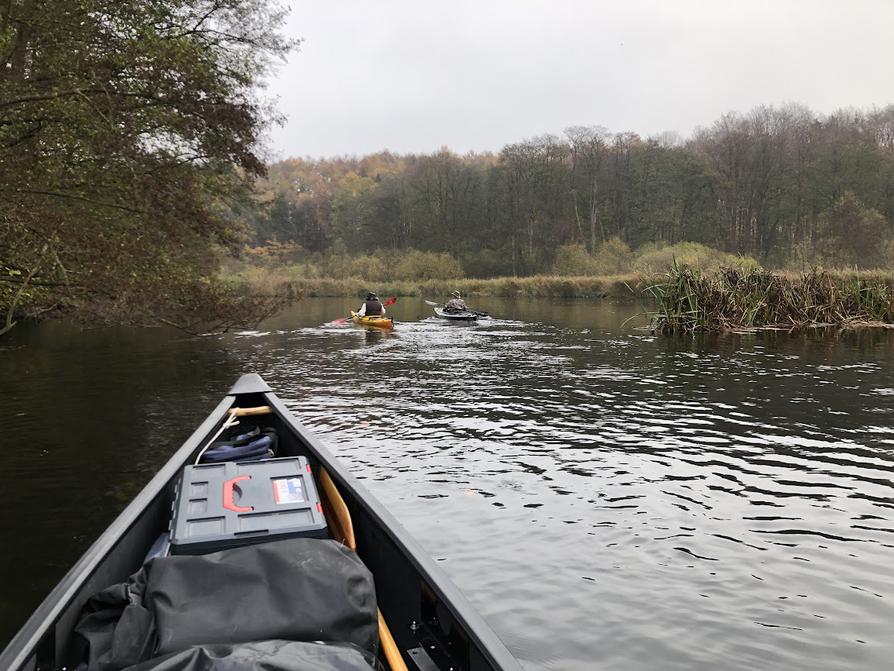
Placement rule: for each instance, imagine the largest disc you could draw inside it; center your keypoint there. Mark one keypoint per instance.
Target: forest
(782, 185)
(129, 143)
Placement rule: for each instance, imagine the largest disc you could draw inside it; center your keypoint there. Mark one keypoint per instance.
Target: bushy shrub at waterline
(485, 262)
(614, 257)
(653, 258)
(573, 261)
(416, 265)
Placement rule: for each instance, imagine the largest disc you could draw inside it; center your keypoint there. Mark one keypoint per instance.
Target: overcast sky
(414, 75)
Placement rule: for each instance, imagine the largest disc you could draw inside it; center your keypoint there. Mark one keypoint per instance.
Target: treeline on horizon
(783, 185)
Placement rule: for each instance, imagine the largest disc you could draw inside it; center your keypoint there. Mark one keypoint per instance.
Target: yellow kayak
(377, 321)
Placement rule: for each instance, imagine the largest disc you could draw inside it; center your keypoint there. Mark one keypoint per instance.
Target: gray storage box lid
(229, 504)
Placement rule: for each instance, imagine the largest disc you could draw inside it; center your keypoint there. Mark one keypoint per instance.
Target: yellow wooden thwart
(249, 412)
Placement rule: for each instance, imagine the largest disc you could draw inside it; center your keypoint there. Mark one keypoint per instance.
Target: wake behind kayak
(462, 316)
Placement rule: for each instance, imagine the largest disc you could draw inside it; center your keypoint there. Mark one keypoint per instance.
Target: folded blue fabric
(227, 452)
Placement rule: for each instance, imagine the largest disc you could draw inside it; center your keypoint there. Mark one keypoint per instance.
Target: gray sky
(412, 76)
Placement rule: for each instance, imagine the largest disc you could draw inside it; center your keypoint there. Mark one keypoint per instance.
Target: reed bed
(687, 300)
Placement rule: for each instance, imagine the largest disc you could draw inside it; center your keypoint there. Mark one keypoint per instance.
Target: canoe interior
(432, 624)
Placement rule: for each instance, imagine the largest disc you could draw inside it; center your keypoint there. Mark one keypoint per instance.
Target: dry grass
(284, 281)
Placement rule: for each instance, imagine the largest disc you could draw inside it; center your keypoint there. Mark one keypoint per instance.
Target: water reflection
(608, 499)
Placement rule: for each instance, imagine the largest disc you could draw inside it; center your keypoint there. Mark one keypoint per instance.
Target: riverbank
(737, 297)
(683, 300)
(279, 282)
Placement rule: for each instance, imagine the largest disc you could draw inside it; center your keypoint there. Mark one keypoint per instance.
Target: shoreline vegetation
(613, 271)
(688, 301)
(684, 288)
(278, 283)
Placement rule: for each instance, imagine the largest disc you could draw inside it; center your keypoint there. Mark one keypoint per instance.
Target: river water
(607, 499)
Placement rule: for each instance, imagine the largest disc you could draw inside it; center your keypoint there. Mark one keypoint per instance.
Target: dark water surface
(606, 499)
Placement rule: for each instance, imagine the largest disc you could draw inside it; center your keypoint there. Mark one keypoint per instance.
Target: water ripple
(613, 500)
(709, 487)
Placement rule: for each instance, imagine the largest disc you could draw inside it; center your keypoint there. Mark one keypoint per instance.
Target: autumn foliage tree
(128, 140)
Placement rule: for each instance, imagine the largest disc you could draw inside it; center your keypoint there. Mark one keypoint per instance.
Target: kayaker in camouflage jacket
(456, 304)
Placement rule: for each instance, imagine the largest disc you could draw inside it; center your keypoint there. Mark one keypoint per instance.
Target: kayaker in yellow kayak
(372, 307)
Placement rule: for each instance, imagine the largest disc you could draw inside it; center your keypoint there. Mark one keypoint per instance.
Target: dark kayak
(465, 316)
(425, 622)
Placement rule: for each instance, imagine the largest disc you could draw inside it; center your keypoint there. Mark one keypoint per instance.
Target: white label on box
(288, 490)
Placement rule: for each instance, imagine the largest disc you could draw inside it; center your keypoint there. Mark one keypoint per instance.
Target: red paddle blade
(390, 301)
(343, 320)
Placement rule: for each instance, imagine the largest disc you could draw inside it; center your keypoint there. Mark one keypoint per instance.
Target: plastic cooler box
(226, 505)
